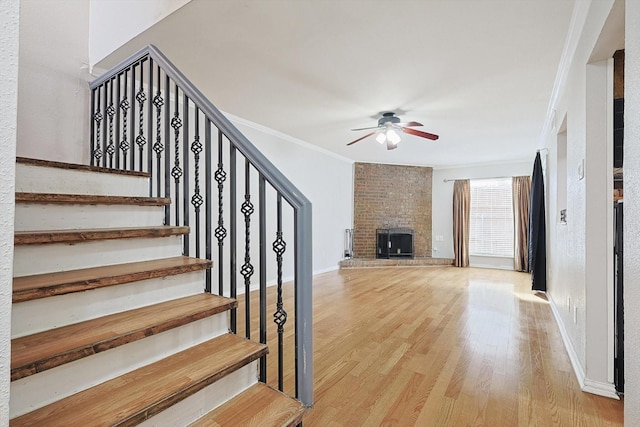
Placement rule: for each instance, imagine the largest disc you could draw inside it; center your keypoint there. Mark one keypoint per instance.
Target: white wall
(599, 224)
(580, 276)
(54, 67)
(53, 91)
(324, 178)
(442, 202)
(631, 208)
(9, 22)
(115, 22)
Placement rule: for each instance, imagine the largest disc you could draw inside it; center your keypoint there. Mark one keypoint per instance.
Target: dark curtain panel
(537, 230)
(461, 218)
(521, 187)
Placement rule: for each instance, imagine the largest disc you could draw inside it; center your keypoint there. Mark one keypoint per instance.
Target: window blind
(491, 222)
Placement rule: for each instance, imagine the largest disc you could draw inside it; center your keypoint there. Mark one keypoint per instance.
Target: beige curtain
(461, 216)
(521, 198)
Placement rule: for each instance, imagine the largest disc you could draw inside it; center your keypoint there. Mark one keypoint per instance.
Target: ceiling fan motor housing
(389, 117)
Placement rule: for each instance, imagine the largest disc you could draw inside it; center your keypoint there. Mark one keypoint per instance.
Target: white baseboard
(586, 384)
(326, 270)
(256, 286)
(568, 345)
(490, 266)
(600, 388)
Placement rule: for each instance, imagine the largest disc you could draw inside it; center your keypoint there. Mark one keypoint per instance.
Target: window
(491, 222)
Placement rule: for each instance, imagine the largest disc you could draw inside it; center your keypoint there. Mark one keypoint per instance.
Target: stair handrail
(276, 178)
(301, 205)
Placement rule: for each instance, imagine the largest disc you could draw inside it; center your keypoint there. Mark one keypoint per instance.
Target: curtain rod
(495, 177)
(477, 179)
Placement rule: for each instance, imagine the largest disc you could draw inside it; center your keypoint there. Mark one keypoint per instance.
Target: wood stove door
(382, 247)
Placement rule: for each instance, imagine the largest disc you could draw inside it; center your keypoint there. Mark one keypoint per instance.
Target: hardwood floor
(437, 346)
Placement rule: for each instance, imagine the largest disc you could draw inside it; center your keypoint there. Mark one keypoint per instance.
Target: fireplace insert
(394, 243)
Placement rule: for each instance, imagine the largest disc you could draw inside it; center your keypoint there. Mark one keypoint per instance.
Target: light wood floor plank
(436, 346)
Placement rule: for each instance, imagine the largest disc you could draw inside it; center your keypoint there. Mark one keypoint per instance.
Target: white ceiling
(477, 72)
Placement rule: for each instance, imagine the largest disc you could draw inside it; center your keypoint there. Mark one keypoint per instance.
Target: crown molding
(284, 136)
(576, 26)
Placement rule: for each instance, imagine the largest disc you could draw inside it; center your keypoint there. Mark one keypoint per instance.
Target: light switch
(581, 169)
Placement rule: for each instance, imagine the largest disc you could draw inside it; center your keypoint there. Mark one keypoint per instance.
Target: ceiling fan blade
(369, 128)
(410, 124)
(361, 138)
(391, 145)
(420, 133)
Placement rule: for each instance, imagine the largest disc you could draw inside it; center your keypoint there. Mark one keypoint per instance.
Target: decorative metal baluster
(124, 106)
(220, 176)
(150, 95)
(186, 239)
(141, 141)
(132, 96)
(111, 111)
(116, 132)
(176, 171)
(92, 125)
(97, 118)
(233, 229)
(104, 141)
(280, 316)
(247, 268)
(196, 199)
(208, 210)
(262, 226)
(158, 147)
(166, 171)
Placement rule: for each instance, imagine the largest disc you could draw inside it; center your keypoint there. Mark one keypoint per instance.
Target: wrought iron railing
(147, 116)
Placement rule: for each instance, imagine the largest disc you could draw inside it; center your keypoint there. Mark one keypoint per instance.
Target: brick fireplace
(391, 196)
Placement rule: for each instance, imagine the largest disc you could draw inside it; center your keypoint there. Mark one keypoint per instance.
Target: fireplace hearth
(394, 243)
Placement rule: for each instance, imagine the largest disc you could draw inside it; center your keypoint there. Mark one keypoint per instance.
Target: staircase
(110, 324)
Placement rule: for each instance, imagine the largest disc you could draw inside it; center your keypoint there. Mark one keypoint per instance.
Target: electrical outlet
(575, 314)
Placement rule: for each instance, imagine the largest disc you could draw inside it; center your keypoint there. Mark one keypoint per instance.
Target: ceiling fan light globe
(393, 136)
(381, 138)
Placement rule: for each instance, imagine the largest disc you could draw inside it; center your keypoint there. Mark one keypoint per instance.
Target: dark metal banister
(266, 170)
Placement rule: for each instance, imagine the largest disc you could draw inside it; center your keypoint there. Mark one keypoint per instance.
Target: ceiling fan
(388, 126)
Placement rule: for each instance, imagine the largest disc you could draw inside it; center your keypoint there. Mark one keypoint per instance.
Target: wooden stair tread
(75, 166)
(27, 288)
(133, 397)
(83, 199)
(88, 234)
(48, 349)
(258, 406)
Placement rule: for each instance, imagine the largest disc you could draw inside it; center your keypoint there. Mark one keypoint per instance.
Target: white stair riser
(39, 179)
(38, 390)
(39, 315)
(209, 398)
(32, 217)
(37, 259)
